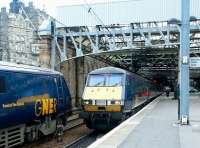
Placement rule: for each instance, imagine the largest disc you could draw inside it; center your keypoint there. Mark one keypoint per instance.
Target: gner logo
(45, 107)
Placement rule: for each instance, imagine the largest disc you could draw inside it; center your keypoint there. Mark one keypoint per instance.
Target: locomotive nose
(102, 93)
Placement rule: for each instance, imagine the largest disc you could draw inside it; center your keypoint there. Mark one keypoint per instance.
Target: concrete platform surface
(156, 126)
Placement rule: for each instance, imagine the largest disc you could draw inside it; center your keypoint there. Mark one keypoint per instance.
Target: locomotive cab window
(96, 80)
(114, 80)
(2, 84)
(111, 80)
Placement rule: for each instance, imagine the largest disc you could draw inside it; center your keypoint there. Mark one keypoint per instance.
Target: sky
(50, 5)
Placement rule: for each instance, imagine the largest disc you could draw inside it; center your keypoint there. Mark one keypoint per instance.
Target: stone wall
(19, 41)
(45, 52)
(16, 39)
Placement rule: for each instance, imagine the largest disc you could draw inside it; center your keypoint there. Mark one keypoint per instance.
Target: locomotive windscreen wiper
(116, 84)
(98, 84)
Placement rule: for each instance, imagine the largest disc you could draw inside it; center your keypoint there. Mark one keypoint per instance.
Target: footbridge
(147, 48)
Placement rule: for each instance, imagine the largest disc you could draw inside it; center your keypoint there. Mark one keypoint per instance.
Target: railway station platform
(156, 126)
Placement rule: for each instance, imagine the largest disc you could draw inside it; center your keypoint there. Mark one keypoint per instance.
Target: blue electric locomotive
(33, 101)
(111, 94)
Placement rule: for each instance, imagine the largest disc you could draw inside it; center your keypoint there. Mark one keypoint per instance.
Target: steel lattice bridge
(137, 47)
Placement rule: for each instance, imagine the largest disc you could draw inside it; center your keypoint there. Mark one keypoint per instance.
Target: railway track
(73, 122)
(74, 125)
(91, 137)
(85, 140)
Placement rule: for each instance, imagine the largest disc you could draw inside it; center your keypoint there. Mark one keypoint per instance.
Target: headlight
(108, 102)
(87, 102)
(116, 102)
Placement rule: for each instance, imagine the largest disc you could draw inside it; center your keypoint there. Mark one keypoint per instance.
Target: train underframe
(103, 120)
(16, 135)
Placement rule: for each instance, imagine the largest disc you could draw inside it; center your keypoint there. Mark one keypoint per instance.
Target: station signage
(195, 62)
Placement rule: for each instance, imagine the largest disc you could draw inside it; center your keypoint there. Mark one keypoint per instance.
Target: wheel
(123, 117)
(32, 135)
(88, 124)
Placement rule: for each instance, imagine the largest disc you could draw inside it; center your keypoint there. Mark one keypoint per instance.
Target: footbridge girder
(118, 37)
(138, 47)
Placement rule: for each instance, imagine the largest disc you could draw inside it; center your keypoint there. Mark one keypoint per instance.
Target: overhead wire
(90, 9)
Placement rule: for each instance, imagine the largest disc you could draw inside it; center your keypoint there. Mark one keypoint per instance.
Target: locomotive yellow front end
(103, 99)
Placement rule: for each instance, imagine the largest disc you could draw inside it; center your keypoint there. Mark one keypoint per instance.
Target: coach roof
(108, 70)
(6, 66)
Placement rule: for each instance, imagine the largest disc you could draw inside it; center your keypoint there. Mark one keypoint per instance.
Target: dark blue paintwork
(27, 82)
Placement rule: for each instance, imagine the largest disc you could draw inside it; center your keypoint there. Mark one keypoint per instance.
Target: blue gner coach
(111, 94)
(33, 101)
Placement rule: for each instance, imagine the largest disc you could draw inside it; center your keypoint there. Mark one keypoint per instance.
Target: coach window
(2, 84)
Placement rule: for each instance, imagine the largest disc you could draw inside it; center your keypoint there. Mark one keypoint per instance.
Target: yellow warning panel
(109, 108)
